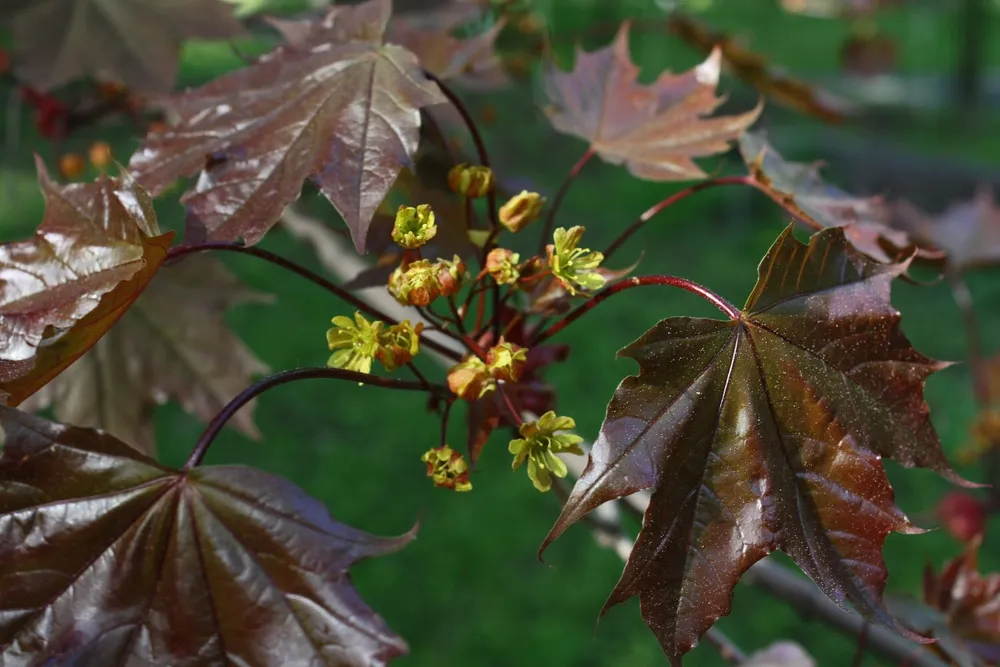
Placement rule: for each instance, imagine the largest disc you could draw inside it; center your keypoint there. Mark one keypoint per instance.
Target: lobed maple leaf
(109, 558)
(654, 130)
(968, 232)
(766, 432)
(798, 187)
(334, 105)
(97, 247)
(172, 343)
(136, 42)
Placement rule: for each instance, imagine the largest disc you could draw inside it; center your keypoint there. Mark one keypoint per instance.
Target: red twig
(550, 218)
(180, 251)
(257, 388)
(673, 281)
(670, 201)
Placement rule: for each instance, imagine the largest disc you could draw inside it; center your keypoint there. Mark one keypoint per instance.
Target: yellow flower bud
(414, 226)
(470, 379)
(506, 361)
(520, 210)
(470, 180)
(501, 264)
(415, 285)
(399, 344)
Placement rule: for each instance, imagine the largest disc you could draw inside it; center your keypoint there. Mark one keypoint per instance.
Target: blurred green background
(469, 590)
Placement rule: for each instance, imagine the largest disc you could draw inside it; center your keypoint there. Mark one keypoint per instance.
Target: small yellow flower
(538, 445)
(470, 379)
(520, 210)
(416, 284)
(574, 267)
(447, 468)
(399, 344)
(501, 264)
(470, 181)
(355, 343)
(414, 226)
(506, 361)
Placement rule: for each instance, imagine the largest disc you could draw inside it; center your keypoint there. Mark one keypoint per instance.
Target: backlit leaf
(799, 188)
(109, 558)
(766, 432)
(136, 42)
(173, 343)
(969, 232)
(335, 105)
(654, 130)
(60, 291)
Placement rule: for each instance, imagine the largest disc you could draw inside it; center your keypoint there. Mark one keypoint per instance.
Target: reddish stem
(670, 201)
(550, 219)
(258, 388)
(180, 251)
(477, 139)
(673, 281)
(510, 406)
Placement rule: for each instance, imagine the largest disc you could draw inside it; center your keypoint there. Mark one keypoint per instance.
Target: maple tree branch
(182, 250)
(639, 281)
(294, 375)
(670, 201)
(550, 218)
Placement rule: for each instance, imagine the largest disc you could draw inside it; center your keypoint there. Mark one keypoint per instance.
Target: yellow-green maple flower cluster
(539, 443)
(575, 268)
(414, 226)
(357, 343)
(447, 468)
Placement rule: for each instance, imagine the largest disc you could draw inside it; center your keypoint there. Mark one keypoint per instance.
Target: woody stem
(672, 281)
(294, 375)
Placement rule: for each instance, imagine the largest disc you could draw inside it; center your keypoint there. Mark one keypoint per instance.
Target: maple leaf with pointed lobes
(172, 343)
(97, 247)
(336, 106)
(798, 187)
(136, 42)
(653, 130)
(766, 432)
(109, 558)
(968, 232)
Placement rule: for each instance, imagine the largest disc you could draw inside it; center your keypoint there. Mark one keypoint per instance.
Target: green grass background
(469, 590)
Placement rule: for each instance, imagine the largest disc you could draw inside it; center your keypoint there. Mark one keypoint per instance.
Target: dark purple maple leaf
(97, 247)
(335, 105)
(172, 343)
(108, 558)
(766, 432)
